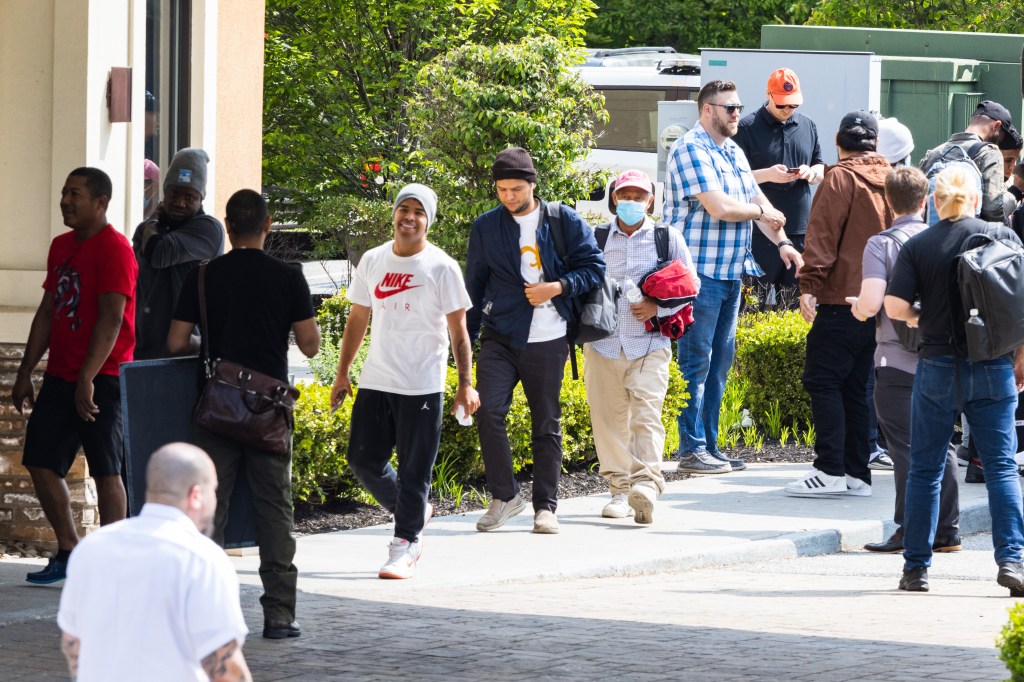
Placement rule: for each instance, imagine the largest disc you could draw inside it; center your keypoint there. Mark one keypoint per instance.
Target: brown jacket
(848, 208)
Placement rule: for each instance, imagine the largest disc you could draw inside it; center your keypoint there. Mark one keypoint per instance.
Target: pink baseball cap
(634, 178)
(150, 170)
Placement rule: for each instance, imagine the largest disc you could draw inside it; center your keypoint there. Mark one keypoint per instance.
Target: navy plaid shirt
(721, 249)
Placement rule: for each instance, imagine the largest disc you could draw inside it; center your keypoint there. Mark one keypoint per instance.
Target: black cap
(514, 163)
(1012, 141)
(860, 119)
(995, 111)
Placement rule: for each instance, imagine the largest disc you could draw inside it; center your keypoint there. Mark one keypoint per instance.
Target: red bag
(670, 286)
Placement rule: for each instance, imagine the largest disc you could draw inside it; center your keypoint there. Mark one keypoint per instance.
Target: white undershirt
(546, 324)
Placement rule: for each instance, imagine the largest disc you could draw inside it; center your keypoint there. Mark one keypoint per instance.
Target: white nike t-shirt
(546, 324)
(409, 298)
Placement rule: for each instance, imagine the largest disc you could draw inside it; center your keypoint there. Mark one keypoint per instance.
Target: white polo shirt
(149, 597)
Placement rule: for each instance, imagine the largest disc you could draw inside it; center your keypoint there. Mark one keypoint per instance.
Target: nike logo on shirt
(394, 283)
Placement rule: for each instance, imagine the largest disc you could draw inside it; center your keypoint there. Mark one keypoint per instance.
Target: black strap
(204, 335)
(973, 150)
(601, 235)
(660, 239)
(554, 211)
(897, 234)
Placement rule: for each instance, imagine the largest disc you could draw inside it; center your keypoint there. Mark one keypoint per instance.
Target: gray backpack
(953, 155)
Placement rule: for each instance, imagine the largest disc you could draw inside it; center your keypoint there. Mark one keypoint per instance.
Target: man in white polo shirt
(151, 596)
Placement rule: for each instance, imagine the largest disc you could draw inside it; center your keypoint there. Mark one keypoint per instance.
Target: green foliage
(773, 420)
(989, 16)
(770, 351)
(753, 439)
(349, 224)
(1011, 643)
(476, 100)
(810, 434)
(331, 319)
(730, 415)
(784, 434)
(689, 25)
(319, 467)
(338, 75)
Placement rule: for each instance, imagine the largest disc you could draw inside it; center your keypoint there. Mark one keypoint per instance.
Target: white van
(632, 92)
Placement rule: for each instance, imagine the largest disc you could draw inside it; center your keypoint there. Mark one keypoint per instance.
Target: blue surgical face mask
(631, 212)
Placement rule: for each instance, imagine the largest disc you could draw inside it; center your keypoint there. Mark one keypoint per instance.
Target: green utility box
(931, 80)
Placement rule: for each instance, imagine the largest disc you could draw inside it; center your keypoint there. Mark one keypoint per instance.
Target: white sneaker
(641, 499)
(817, 484)
(857, 487)
(618, 508)
(499, 512)
(402, 559)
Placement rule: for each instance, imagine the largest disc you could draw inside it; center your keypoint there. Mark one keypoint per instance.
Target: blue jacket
(494, 279)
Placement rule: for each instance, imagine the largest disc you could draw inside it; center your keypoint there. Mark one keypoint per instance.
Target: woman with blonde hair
(946, 382)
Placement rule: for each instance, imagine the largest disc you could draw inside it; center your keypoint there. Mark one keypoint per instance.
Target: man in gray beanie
(522, 279)
(415, 293)
(169, 245)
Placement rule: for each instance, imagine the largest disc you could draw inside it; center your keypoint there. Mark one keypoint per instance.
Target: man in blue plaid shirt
(712, 197)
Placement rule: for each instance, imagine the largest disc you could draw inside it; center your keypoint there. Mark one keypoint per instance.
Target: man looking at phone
(782, 148)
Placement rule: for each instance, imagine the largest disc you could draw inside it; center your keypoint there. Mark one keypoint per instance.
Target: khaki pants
(625, 398)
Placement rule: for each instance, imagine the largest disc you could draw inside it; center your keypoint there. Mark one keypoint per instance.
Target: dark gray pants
(893, 390)
(539, 367)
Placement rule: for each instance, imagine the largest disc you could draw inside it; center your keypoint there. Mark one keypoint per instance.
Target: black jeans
(409, 425)
(840, 352)
(539, 367)
(893, 390)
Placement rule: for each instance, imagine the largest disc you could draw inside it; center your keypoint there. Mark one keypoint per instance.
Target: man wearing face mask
(627, 374)
(169, 245)
(782, 148)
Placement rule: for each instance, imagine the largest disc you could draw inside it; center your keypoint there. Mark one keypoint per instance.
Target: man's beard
(722, 128)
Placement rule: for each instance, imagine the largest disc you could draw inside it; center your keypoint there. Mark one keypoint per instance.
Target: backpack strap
(661, 242)
(554, 211)
(973, 150)
(601, 235)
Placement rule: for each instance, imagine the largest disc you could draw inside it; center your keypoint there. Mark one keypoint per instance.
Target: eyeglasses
(729, 108)
(790, 107)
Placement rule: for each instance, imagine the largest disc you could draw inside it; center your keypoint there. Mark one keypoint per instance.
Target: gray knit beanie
(422, 194)
(188, 169)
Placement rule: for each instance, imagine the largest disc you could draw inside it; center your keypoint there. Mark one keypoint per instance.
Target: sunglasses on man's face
(729, 108)
(790, 107)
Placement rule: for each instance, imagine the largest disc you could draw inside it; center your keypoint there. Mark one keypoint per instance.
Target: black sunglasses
(791, 107)
(729, 108)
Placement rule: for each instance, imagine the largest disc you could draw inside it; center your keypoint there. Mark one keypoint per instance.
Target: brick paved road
(822, 618)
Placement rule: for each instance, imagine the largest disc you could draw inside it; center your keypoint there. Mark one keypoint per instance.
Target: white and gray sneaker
(701, 462)
(818, 484)
(402, 558)
(618, 508)
(499, 512)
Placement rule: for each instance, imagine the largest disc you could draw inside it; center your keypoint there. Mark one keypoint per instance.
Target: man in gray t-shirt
(906, 190)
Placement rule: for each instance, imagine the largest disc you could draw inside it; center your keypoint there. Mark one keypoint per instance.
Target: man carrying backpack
(627, 374)
(522, 287)
(979, 141)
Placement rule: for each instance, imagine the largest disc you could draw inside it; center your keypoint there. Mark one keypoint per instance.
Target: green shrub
(1011, 643)
(770, 351)
(319, 469)
(331, 318)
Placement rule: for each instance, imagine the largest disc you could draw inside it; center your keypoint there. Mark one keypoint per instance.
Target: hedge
(770, 352)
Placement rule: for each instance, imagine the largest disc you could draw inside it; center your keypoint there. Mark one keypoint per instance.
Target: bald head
(174, 469)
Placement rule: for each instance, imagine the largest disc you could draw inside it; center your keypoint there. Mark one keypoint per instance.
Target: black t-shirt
(926, 269)
(765, 142)
(252, 299)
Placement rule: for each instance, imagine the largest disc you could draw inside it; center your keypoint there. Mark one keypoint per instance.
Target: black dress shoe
(915, 579)
(279, 629)
(947, 543)
(894, 545)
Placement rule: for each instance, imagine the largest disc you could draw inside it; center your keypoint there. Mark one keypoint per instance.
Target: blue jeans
(705, 356)
(987, 393)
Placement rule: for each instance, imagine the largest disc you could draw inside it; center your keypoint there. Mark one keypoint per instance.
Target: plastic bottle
(462, 417)
(631, 291)
(974, 319)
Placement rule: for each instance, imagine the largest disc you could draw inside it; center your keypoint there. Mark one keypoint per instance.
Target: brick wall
(21, 518)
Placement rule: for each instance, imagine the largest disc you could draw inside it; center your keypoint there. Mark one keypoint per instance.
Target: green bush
(331, 318)
(770, 351)
(319, 469)
(1011, 643)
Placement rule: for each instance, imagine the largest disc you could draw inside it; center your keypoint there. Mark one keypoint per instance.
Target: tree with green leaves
(987, 16)
(688, 25)
(476, 100)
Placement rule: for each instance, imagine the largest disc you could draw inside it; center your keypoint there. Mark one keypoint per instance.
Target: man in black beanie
(522, 287)
(169, 245)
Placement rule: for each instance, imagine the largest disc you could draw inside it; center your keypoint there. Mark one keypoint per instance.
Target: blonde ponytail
(956, 193)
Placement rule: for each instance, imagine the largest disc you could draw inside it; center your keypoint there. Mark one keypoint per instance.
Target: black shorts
(55, 432)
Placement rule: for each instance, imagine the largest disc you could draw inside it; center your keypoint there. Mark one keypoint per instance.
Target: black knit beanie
(514, 163)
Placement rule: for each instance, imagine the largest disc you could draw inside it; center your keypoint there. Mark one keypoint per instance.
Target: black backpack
(909, 337)
(991, 280)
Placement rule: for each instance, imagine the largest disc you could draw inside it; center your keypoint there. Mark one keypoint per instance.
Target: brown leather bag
(242, 404)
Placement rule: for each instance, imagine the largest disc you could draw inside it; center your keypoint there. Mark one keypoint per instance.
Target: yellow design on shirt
(536, 256)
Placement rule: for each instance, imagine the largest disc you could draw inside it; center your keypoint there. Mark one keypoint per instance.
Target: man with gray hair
(112, 625)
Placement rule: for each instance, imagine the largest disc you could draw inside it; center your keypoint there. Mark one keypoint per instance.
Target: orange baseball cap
(784, 87)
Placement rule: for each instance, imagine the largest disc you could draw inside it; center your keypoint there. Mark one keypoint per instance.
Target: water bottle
(632, 292)
(462, 417)
(977, 338)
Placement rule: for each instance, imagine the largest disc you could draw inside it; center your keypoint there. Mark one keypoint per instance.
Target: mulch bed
(346, 514)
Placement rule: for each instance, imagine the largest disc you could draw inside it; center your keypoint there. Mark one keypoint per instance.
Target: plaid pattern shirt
(633, 257)
(695, 165)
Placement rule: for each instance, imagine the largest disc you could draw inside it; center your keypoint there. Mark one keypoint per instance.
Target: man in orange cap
(782, 148)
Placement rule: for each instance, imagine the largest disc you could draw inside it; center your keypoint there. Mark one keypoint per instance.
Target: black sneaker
(54, 572)
(1011, 575)
(974, 472)
(736, 464)
(915, 579)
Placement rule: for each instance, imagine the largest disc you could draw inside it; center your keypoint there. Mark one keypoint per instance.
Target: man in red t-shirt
(87, 321)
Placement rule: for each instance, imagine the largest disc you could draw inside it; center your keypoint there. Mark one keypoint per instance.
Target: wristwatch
(785, 242)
